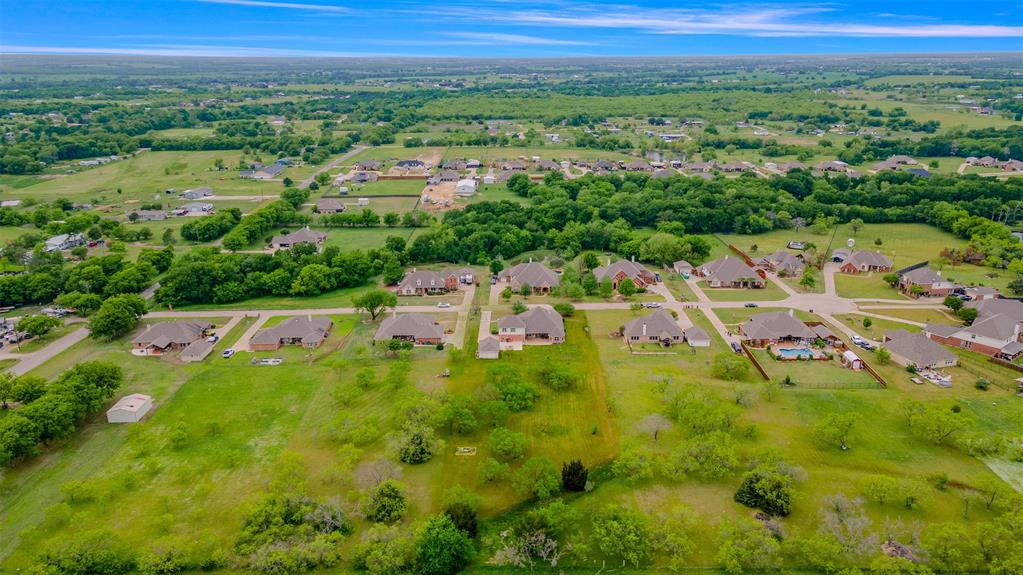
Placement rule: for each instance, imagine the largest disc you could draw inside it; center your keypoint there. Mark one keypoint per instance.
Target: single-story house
(785, 263)
(364, 177)
(163, 337)
(149, 215)
(697, 337)
(64, 242)
(930, 281)
(729, 272)
(130, 408)
(488, 348)
(197, 193)
(997, 331)
(466, 187)
(658, 327)
(861, 261)
(308, 331)
(982, 293)
(329, 206)
(536, 275)
(302, 236)
(426, 282)
(825, 334)
(772, 328)
(368, 165)
(682, 267)
(637, 166)
(540, 324)
(410, 164)
(198, 350)
(918, 350)
(418, 328)
(624, 269)
(549, 166)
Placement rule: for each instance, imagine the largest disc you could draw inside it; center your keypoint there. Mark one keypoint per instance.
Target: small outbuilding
(851, 360)
(488, 348)
(130, 408)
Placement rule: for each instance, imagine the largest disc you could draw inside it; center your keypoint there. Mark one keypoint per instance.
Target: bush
(442, 548)
(91, 553)
(557, 377)
(574, 475)
(506, 444)
(565, 309)
(982, 384)
(463, 516)
(387, 503)
(768, 490)
(537, 477)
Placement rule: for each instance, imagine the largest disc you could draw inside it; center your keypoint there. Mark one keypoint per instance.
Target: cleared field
(770, 292)
(815, 374)
(388, 187)
(365, 238)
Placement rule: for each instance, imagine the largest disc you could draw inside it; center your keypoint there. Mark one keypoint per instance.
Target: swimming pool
(795, 352)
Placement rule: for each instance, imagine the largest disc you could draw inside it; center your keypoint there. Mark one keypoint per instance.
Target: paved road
(30, 361)
(337, 162)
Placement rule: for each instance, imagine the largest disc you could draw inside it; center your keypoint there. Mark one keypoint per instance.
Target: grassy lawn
(770, 292)
(865, 286)
(919, 315)
(365, 238)
(388, 187)
(877, 326)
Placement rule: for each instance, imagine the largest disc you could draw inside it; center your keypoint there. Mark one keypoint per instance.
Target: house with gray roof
(538, 325)
(682, 267)
(418, 328)
(534, 274)
(167, 336)
(369, 165)
(302, 236)
(730, 272)
(488, 348)
(148, 215)
(659, 327)
(918, 350)
(772, 328)
(197, 193)
(307, 331)
(997, 331)
(928, 280)
(424, 282)
(329, 206)
(638, 166)
(697, 337)
(785, 263)
(861, 261)
(198, 350)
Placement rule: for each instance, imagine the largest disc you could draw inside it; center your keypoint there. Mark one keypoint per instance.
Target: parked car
(443, 304)
(751, 304)
(229, 352)
(736, 347)
(652, 305)
(657, 276)
(213, 338)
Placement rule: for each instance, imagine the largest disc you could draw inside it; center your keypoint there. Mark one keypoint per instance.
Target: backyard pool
(795, 352)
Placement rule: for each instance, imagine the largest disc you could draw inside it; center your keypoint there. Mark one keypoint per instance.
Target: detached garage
(130, 408)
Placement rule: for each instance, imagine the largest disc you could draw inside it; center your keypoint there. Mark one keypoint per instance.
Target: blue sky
(503, 28)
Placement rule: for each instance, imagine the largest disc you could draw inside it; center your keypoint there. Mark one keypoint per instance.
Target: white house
(64, 242)
(466, 187)
(130, 408)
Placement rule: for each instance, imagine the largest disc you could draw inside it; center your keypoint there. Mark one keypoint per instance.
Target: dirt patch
(440, 198)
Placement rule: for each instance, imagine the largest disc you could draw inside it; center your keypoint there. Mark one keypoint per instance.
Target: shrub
(982, 384)
(387, 503)
(574, 475)
(506, 444)
(766, 489)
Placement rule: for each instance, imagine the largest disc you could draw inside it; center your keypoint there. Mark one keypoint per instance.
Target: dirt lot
(441, 198)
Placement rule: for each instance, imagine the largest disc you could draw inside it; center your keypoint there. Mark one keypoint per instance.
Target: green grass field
(770, 292)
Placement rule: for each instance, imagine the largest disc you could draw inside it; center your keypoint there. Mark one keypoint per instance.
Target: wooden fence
(756, 363)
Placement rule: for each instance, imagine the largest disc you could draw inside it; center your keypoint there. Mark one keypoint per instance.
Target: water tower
(850, 243)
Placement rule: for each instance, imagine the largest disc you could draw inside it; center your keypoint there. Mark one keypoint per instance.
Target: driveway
(335, 163)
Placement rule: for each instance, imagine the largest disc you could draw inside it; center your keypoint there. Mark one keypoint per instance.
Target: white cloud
(732, 20)
(498, 39)
(270, 4)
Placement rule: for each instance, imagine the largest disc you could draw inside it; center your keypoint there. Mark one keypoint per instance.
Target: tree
(710, 455)
(624, 534)
(953, 303)
(6, 389)
(525, 290)
(744, 546)
(38, 325)
(891, 279)
(590, 261)
(953, 548)
(867, 322)
(537, 477)
(663, 249)
(506, 444)
(606, 289)
(519, 185)
(654, 424)
(883, 356)
(729, 366)
(387, 503)
(936, 423)
(117, 316)
(574, 475)
(766, 489)
(507, 293)
(856, 224)
(845, 520)
(519, 307)
(808, 281)
(416, 444)
(589, 284)
(626, 288)
(968, 315)
(835, 429)
(375, 301)
(442, 548)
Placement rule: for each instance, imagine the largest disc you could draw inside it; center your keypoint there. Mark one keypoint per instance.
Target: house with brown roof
(307, 331)
(659, 327)
(536, 275)
(538, 325)
(302, 236)
(329, 206)
(697, 337)
(930, 281)
(918, 350)
(682, 267)
(167, 336)
(425, 282)
(637, 166)
(418, 328)
(730, 272)
(772, 328)
(832, 166)
(548, 166)
(624, 269)
(368, 165)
